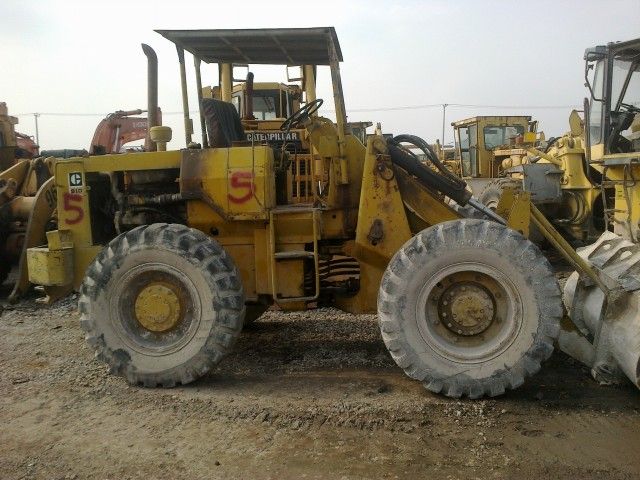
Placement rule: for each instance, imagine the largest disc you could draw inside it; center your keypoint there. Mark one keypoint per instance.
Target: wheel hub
(157, 308)
(466, 308)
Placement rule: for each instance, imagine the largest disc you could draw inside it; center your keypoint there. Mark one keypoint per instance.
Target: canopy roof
(273, 46)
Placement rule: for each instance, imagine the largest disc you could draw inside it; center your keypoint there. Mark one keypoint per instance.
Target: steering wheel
(295, 120)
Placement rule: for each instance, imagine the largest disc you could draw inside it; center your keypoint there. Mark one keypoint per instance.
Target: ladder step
(301, 208)
(615, 210)
(294, 254)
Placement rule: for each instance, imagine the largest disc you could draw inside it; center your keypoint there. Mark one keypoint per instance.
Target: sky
(83, 58)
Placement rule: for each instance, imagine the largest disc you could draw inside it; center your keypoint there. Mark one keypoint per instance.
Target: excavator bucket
(607, 338)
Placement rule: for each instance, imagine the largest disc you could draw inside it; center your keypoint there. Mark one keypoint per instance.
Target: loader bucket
(614, 325)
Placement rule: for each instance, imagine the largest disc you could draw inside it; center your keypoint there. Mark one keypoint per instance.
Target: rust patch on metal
(376, 232)
(191, 172)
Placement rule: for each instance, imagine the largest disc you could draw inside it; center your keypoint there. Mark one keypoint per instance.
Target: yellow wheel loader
(605, 311)
(27, 206)
(25, 185)
(498, 152)
(168, 248)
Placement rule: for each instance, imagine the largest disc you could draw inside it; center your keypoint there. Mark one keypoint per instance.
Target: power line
(390, 109)
(71, 114)
(352, 110)
(523, 107)
(464, 105)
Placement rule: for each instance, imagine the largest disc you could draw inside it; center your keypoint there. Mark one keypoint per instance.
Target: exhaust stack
(152, 94)
(248, 104)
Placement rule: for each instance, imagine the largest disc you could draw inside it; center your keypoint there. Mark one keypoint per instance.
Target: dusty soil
(305, 395)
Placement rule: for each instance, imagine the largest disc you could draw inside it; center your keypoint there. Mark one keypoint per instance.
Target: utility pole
(36, 115)
(444, 116)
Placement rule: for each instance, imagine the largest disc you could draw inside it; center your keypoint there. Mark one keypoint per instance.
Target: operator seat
(223, 123)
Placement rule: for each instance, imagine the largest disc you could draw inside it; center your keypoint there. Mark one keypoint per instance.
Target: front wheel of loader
(162, 304)
(470, 308)
(253, 312)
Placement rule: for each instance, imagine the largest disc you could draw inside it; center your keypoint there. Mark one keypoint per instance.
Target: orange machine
(117, 129)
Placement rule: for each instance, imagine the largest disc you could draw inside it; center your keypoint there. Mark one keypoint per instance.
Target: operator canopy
(273, 46)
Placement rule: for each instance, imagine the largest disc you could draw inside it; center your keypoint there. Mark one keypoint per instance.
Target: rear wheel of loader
(162, 304)
(5, 268)
(470, 308)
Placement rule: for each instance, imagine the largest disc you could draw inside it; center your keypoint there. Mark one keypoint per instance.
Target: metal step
(299, 208)
(293, 254)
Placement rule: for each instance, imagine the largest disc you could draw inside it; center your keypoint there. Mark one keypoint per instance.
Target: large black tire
(253, 312)
(500, 288)
(468, 211)
(5, 268)
(162, 304)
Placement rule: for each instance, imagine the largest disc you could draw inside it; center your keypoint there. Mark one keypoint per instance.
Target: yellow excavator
(170, 248)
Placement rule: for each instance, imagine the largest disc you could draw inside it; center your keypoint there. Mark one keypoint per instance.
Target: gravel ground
(304, 395)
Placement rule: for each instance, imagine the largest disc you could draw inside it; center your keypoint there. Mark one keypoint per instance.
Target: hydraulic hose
(550, 143)
(443, 181)
(429, 154)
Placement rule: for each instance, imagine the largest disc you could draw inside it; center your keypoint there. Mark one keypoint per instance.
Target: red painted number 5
(242, 181)
(70, 201)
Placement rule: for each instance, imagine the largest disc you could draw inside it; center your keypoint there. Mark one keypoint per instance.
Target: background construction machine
(168, 247)
(497, 152)
(111, 135)
(27, 196)
(118, 129)
(20, 180)
(13, 145)
(605, 309)
(27, 204)
(476, 141)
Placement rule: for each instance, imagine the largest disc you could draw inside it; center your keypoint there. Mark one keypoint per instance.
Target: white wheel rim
(471, 349)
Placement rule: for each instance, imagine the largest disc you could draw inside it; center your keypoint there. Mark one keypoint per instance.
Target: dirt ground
(305, 395)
